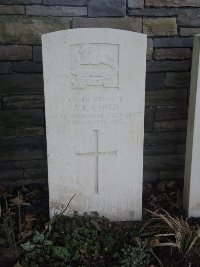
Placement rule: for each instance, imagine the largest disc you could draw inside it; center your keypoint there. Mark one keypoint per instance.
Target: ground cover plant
(165, 238)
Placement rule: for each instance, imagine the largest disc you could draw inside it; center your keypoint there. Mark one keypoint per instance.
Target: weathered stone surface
(159, 149)
(160, 26)
(177, 79)
(166, 97)
(11, 174)
(167, 65)
(155, 81)
(163, 162)
(171, 113)
(172, 3)
(16, 2)
(65, 2)
(27, 67)
(6, 133)
(12, 10)
(5, 67)
(15, 52)
(189, 17)
(109, 117)
(165, 138)
(23, 101)
(149, 48)
(35, 173)
(56, 11)
(107, 8)
(21, 118)
(21, 81)
(128, 23)
(191, 196)
(177, 125)
(172, 42)
(135, 3)
(37, 53)
(154, 12)
(28, 30)
(172, 53)
(148, 119)
(189, 31)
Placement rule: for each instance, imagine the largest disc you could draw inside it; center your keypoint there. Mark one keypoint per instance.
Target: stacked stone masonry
(170, 26)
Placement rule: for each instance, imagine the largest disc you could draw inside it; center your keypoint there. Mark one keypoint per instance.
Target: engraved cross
(96, 154)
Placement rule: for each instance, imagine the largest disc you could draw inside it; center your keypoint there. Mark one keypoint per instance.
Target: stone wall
(169, 24)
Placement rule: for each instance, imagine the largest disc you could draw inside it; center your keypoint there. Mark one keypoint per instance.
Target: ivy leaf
(28, 246)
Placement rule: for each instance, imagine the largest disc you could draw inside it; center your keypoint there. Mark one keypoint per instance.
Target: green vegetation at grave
(85, 241)
(163, 239)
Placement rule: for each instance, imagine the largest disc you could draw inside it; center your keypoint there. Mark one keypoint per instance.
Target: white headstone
(94, 83)
(192, 161)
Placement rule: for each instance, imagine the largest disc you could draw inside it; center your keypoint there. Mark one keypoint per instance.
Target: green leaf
(28, 246)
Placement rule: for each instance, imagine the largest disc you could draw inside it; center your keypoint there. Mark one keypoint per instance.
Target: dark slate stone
(176, 174)
(5, 67)
(189, 31)
(37, 53)
(177, 79)
(6, 133)
(154, 12)
(107, 8)
(62, 11)
(167, 65)
(16, 2)
(21, 154)
(15, 52)
(65, 2)
(173, 3)
(172, 53)
(21, 81)
(165, 138)
(150, 176)
(23, 101)
(181, 149)
(11, 174)
(22, 182)
(172, 42)
(135, 3)
(149, 119)
(155, 81)
(22, 148)
(176, 125)
(28, 29)
(166, 97)
(23, 142)
(30, 164)
(12, 10)
(127, 23)
(21, 118)
(35, 173)
(163, 162)
(171, 113)
(159, 149)
(27, 67)
(189, 17)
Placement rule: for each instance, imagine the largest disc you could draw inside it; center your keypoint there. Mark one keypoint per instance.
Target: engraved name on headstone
(94, 83)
